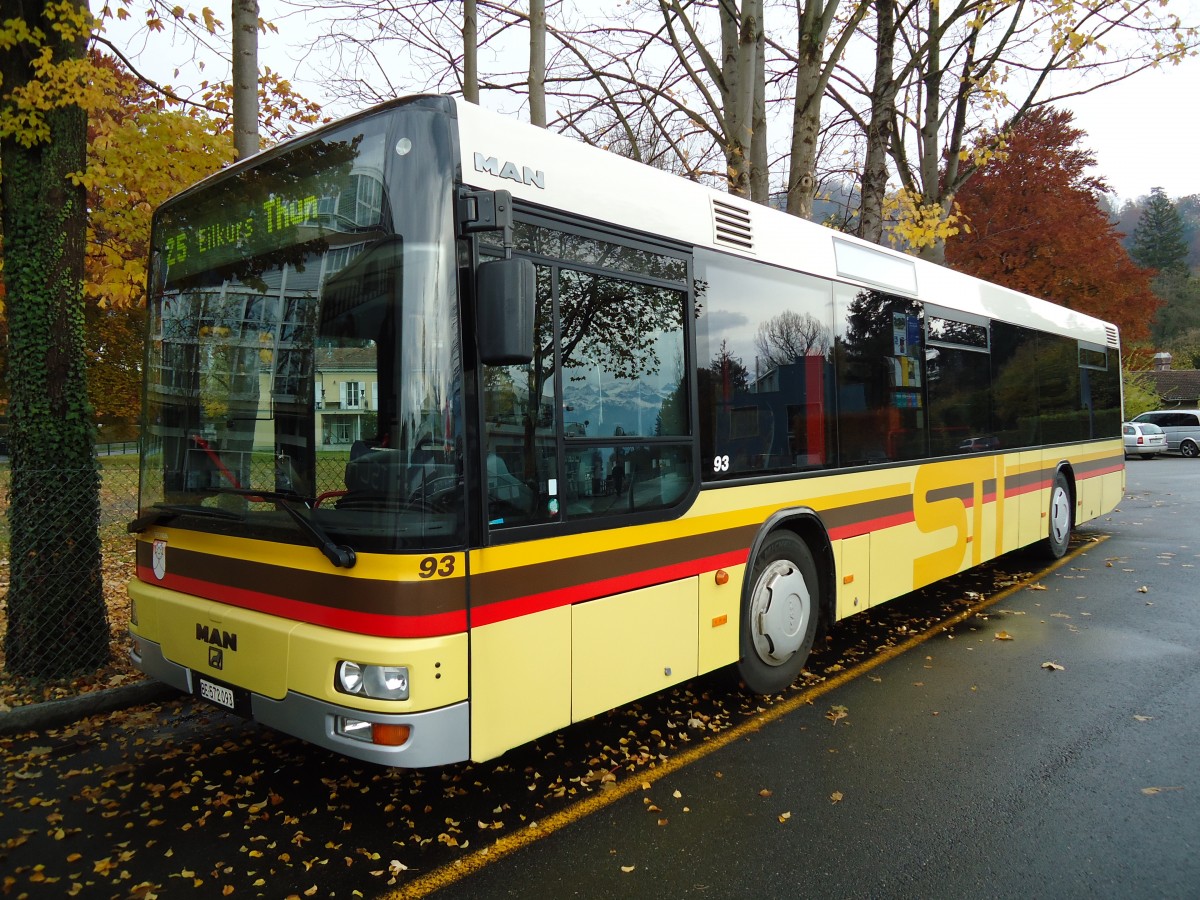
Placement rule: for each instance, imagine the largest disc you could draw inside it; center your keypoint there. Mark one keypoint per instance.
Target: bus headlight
(387, 682)
(376, 682)
(349, 677)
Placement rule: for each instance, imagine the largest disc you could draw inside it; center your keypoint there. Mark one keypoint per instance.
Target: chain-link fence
(118, 505)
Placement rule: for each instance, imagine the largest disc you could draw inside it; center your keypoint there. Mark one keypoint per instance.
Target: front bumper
(438, 736)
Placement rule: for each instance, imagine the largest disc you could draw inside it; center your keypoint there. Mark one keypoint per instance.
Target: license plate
(217, 694)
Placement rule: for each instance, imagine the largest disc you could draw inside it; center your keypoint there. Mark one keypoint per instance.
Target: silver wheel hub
(1060, 515)
(779, 612)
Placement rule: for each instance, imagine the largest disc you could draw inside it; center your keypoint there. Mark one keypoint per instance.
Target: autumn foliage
(139, 154)
(1037, 225)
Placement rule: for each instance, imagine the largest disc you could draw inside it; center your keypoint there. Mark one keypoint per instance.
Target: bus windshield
(303, 357)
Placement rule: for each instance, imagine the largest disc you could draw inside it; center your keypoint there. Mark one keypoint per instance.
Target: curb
(55, 713)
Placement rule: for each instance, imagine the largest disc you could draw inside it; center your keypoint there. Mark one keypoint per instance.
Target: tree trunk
(806, 125)
(245, 77)
(930, 147)
(738, 65)
(760, 175)
(470, 33)
(806, 108)
(537, 62)
(816, 57)
(57, 620)
(880, 128)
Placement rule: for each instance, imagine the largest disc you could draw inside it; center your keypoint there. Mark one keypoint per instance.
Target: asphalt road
(955, 766)
(961, 768)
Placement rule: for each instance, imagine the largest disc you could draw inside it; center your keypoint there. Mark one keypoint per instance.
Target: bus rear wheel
(1062, 517)
(779, 614)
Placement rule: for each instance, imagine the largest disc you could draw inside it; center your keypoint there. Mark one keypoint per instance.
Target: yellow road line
(535, 831)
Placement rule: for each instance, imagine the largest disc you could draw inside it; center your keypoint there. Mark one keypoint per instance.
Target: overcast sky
(1144, 132)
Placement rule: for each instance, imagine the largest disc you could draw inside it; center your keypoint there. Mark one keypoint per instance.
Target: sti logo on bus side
(524, 175)
(215, 637)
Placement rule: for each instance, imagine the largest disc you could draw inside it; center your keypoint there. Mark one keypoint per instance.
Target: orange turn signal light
(390, 735)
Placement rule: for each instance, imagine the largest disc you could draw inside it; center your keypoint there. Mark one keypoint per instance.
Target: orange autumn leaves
(1038, 226)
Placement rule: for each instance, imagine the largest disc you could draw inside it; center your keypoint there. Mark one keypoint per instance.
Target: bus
(457, 431)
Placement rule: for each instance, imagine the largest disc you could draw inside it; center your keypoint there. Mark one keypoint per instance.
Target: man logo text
(216, 637)
(524, 175)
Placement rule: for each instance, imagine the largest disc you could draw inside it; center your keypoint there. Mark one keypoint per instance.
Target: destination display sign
(229, 232)
(320, 188)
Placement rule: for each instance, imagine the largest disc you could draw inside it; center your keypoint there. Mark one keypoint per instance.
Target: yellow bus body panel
(853, 575)
(520, 680)
(632, 644)
(720, 617)
(544, 650)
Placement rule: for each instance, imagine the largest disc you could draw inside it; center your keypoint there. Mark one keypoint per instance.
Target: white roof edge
(552, 170)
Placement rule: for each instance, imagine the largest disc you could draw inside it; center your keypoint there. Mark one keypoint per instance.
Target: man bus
(457, 431)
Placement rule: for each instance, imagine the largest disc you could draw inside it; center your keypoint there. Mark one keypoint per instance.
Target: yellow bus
(457, 431)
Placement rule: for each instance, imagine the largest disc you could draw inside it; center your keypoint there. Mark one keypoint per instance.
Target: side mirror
(504, 309)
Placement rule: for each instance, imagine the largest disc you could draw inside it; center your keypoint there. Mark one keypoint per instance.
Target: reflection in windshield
(302, 346)
(609, 360)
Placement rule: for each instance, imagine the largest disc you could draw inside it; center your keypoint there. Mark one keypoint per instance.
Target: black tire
(1189, 449)
(780, 608)
(1062, 517)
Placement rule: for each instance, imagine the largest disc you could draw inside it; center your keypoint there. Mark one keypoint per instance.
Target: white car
(1143, 439)
(1181, 426)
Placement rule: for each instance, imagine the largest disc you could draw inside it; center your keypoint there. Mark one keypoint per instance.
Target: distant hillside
(1189, 211)
(835, 199)
(834, 202)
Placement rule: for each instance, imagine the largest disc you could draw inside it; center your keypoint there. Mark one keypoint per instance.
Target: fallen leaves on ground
(836, 714)
(245, 807)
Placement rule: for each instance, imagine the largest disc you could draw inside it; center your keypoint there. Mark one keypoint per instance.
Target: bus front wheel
(1062, 517)
(779, 614)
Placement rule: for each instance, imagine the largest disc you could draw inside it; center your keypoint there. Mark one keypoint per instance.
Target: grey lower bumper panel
(439, 736)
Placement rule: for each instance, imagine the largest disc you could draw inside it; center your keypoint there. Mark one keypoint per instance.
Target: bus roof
(555, 171)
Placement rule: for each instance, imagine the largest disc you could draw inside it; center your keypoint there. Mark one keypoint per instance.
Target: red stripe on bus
(1027, 488)
(593, 590)
(375, 624)
(854, 529)
(1106, 470)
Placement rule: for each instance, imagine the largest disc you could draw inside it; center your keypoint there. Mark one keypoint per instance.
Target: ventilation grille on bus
(1111, 333)
(731, 226)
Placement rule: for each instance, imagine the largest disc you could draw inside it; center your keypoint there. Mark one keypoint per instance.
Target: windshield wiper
(341, 556)
(164, 512)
